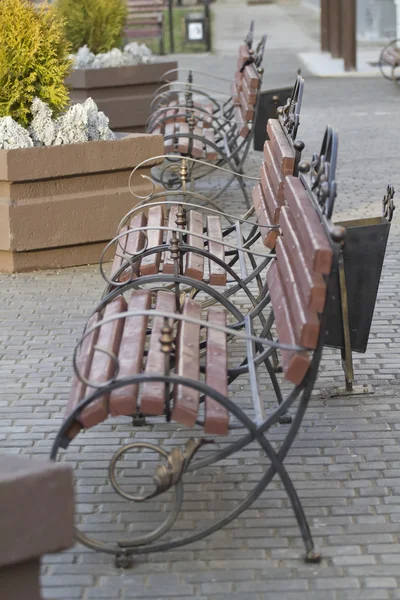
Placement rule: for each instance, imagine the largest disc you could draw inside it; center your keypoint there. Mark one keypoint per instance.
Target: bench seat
(135, 342)
(129, 264)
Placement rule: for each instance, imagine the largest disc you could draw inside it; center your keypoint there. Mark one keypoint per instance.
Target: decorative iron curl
(249, 39)
(259, 53)
(323, 172)
(388, 203)
(291, 111)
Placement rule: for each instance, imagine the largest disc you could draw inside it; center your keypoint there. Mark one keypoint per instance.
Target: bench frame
(233, 139)
(259, 348)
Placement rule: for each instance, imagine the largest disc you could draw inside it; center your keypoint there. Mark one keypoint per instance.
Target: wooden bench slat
(244, 55)
(134, 243)
(214, 230)
(270, 195)
(317, 249)
(209, 134)
(186, 403)
(274, 172)
(235, 93)
(295, 364)
(152, 400)
(197, 145)
(312, 285)
(249, 93)
(304, 321)
(264, 216)
(151, 264)
(169, 144)
(183, 142)
(119, 253)
(216, 420)
(123, 401)
(247, 109)
(281, 147)
(84, 362)
(103, 367)
(195, 262)
(251, 77)
(168, 266)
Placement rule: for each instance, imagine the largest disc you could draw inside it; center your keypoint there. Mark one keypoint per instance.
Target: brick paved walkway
(345, 462)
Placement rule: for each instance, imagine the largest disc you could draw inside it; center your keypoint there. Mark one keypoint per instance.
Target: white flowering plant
(131, 54)
(80, 123)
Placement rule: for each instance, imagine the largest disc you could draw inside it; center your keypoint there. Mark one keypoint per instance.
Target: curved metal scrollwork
(249, 39)
(388, 203)
(259, 53)
(323, 172)
(291, 110)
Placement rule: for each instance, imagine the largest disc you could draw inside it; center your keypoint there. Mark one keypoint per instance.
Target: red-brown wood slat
(274, 172)
(264, 216)
(304, 320)
(251, 77)
(103, 367)
(249, 93)
(317, 249)
(295, 364)
(134, 244)
(195, 262)
(169, 144)
(241, 123)
(244, 55)
(247, 109)
(131, 32)
(186, 404)
(119, 252)
(235, 93)
(281, 147)
(216, 420)
(312, 285)
(171, 112)
(123, 401)
(84, 362)
(270, 195)
(239, 78)
(152, 400)
(151, 264)
(197, 144)
(183, 142)
(211, 153)
(214, 230)
(168, 265)
(207, 118)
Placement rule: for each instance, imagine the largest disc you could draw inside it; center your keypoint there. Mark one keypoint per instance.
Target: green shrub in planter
(34, 59)
(97, 24)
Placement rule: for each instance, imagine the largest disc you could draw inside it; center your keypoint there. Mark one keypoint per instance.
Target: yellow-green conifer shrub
(97, 24)
(34, 59)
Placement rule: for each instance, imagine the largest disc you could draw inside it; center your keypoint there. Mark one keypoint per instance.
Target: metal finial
(304, 166)
(166, 339)
(338, 234)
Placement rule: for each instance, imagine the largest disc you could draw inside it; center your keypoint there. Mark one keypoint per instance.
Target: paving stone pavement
(345, 462)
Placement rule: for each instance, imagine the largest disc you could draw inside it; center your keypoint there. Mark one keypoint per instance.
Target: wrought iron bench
(219, 133)
(145, 20)
(204, 234)
(389, 61)
(150, 350)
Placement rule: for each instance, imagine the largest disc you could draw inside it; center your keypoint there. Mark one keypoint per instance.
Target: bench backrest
(305, 258)
(282, 154)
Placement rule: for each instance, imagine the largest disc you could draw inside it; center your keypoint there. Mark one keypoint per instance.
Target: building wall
(376, 19)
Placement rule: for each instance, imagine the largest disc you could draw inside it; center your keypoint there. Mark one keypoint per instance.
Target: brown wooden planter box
(59, 205)
(124, 94)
